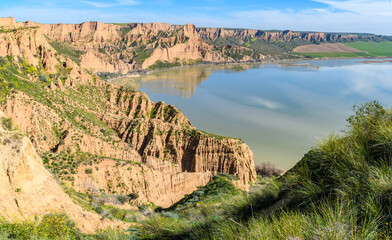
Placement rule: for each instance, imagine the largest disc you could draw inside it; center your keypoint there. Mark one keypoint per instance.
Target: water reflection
(279, 111)
(180, 82)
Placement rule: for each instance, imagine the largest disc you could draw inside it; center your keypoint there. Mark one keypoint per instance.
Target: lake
(279, 110)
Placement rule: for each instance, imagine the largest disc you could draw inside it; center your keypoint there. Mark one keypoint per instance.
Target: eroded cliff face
(121, 48)
(26, 42)
(148, 148)
(27, 189)
(129, 144)
(311, 37)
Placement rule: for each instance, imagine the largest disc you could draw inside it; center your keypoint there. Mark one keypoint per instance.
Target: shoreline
(145, 72)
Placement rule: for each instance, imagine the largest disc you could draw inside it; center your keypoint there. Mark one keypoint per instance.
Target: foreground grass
(54, 226)
(377, 49)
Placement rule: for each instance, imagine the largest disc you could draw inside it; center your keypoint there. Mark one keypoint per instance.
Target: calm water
(279, 111)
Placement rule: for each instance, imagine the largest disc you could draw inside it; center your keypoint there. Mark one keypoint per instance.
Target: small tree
(133, 196)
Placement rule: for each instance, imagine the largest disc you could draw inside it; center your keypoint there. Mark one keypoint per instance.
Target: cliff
(28, 190)
(99, 137)
(121, 48)
(310, 37)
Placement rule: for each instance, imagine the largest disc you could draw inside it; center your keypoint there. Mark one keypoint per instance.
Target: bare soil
(327, 47)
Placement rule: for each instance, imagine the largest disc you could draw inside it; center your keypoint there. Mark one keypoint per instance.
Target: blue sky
(373, 16)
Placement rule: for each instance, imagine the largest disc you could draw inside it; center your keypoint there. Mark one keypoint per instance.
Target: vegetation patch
(65, 165)
(68, 50)
(377, 49)
(142, 53)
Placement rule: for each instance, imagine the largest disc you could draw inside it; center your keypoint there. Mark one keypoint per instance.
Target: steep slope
(27, 189)
(99, 137)
(121, 48)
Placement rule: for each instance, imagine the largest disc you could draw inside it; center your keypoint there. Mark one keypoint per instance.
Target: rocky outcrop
(28, 190)
(156, 140)
(28, 43)
(194, 48)
(50, 131)
(157, 181)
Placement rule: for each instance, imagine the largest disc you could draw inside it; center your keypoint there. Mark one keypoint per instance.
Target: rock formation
(128, 143)
(27, 189)
(116, 48)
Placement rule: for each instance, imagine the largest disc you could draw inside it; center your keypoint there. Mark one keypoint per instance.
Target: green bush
(133, 196)
(98, 210)
(7, 123)
(57, 224)
(123, 199)
(52, 226)
(163, 64)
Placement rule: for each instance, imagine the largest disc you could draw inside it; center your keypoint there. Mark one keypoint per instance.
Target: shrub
(57, 224)
(88, 171)
(268, 169)
(111, 234)
(133, 196)
(98, 210)
(7, 123)
(43, 78)
(123, 199)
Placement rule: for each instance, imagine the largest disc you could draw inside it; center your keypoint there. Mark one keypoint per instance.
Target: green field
(333, 54)
(373, 48)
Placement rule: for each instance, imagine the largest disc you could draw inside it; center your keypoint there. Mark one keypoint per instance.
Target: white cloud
(343, 16)
(373, 16)
(265, 103)
(114, 4)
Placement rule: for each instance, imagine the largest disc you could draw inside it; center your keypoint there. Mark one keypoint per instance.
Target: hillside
(102, 140)
(340, 189)
(28, 189)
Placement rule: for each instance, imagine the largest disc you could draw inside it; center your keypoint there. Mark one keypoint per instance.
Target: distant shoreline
(145, 72)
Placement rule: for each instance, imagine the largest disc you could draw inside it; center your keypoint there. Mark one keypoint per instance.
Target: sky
(368, 16)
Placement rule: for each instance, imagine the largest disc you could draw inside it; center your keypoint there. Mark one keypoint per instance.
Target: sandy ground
(327, 47)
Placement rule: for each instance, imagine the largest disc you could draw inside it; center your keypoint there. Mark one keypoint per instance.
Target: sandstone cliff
(310, 37)
(127, 143)
(27, 189)
(114, 48)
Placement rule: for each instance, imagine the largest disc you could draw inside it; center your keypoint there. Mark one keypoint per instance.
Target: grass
(376, 49)
(13, 30)
(56, 226)
(68, 50)
(50, 226)
(142, 53)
